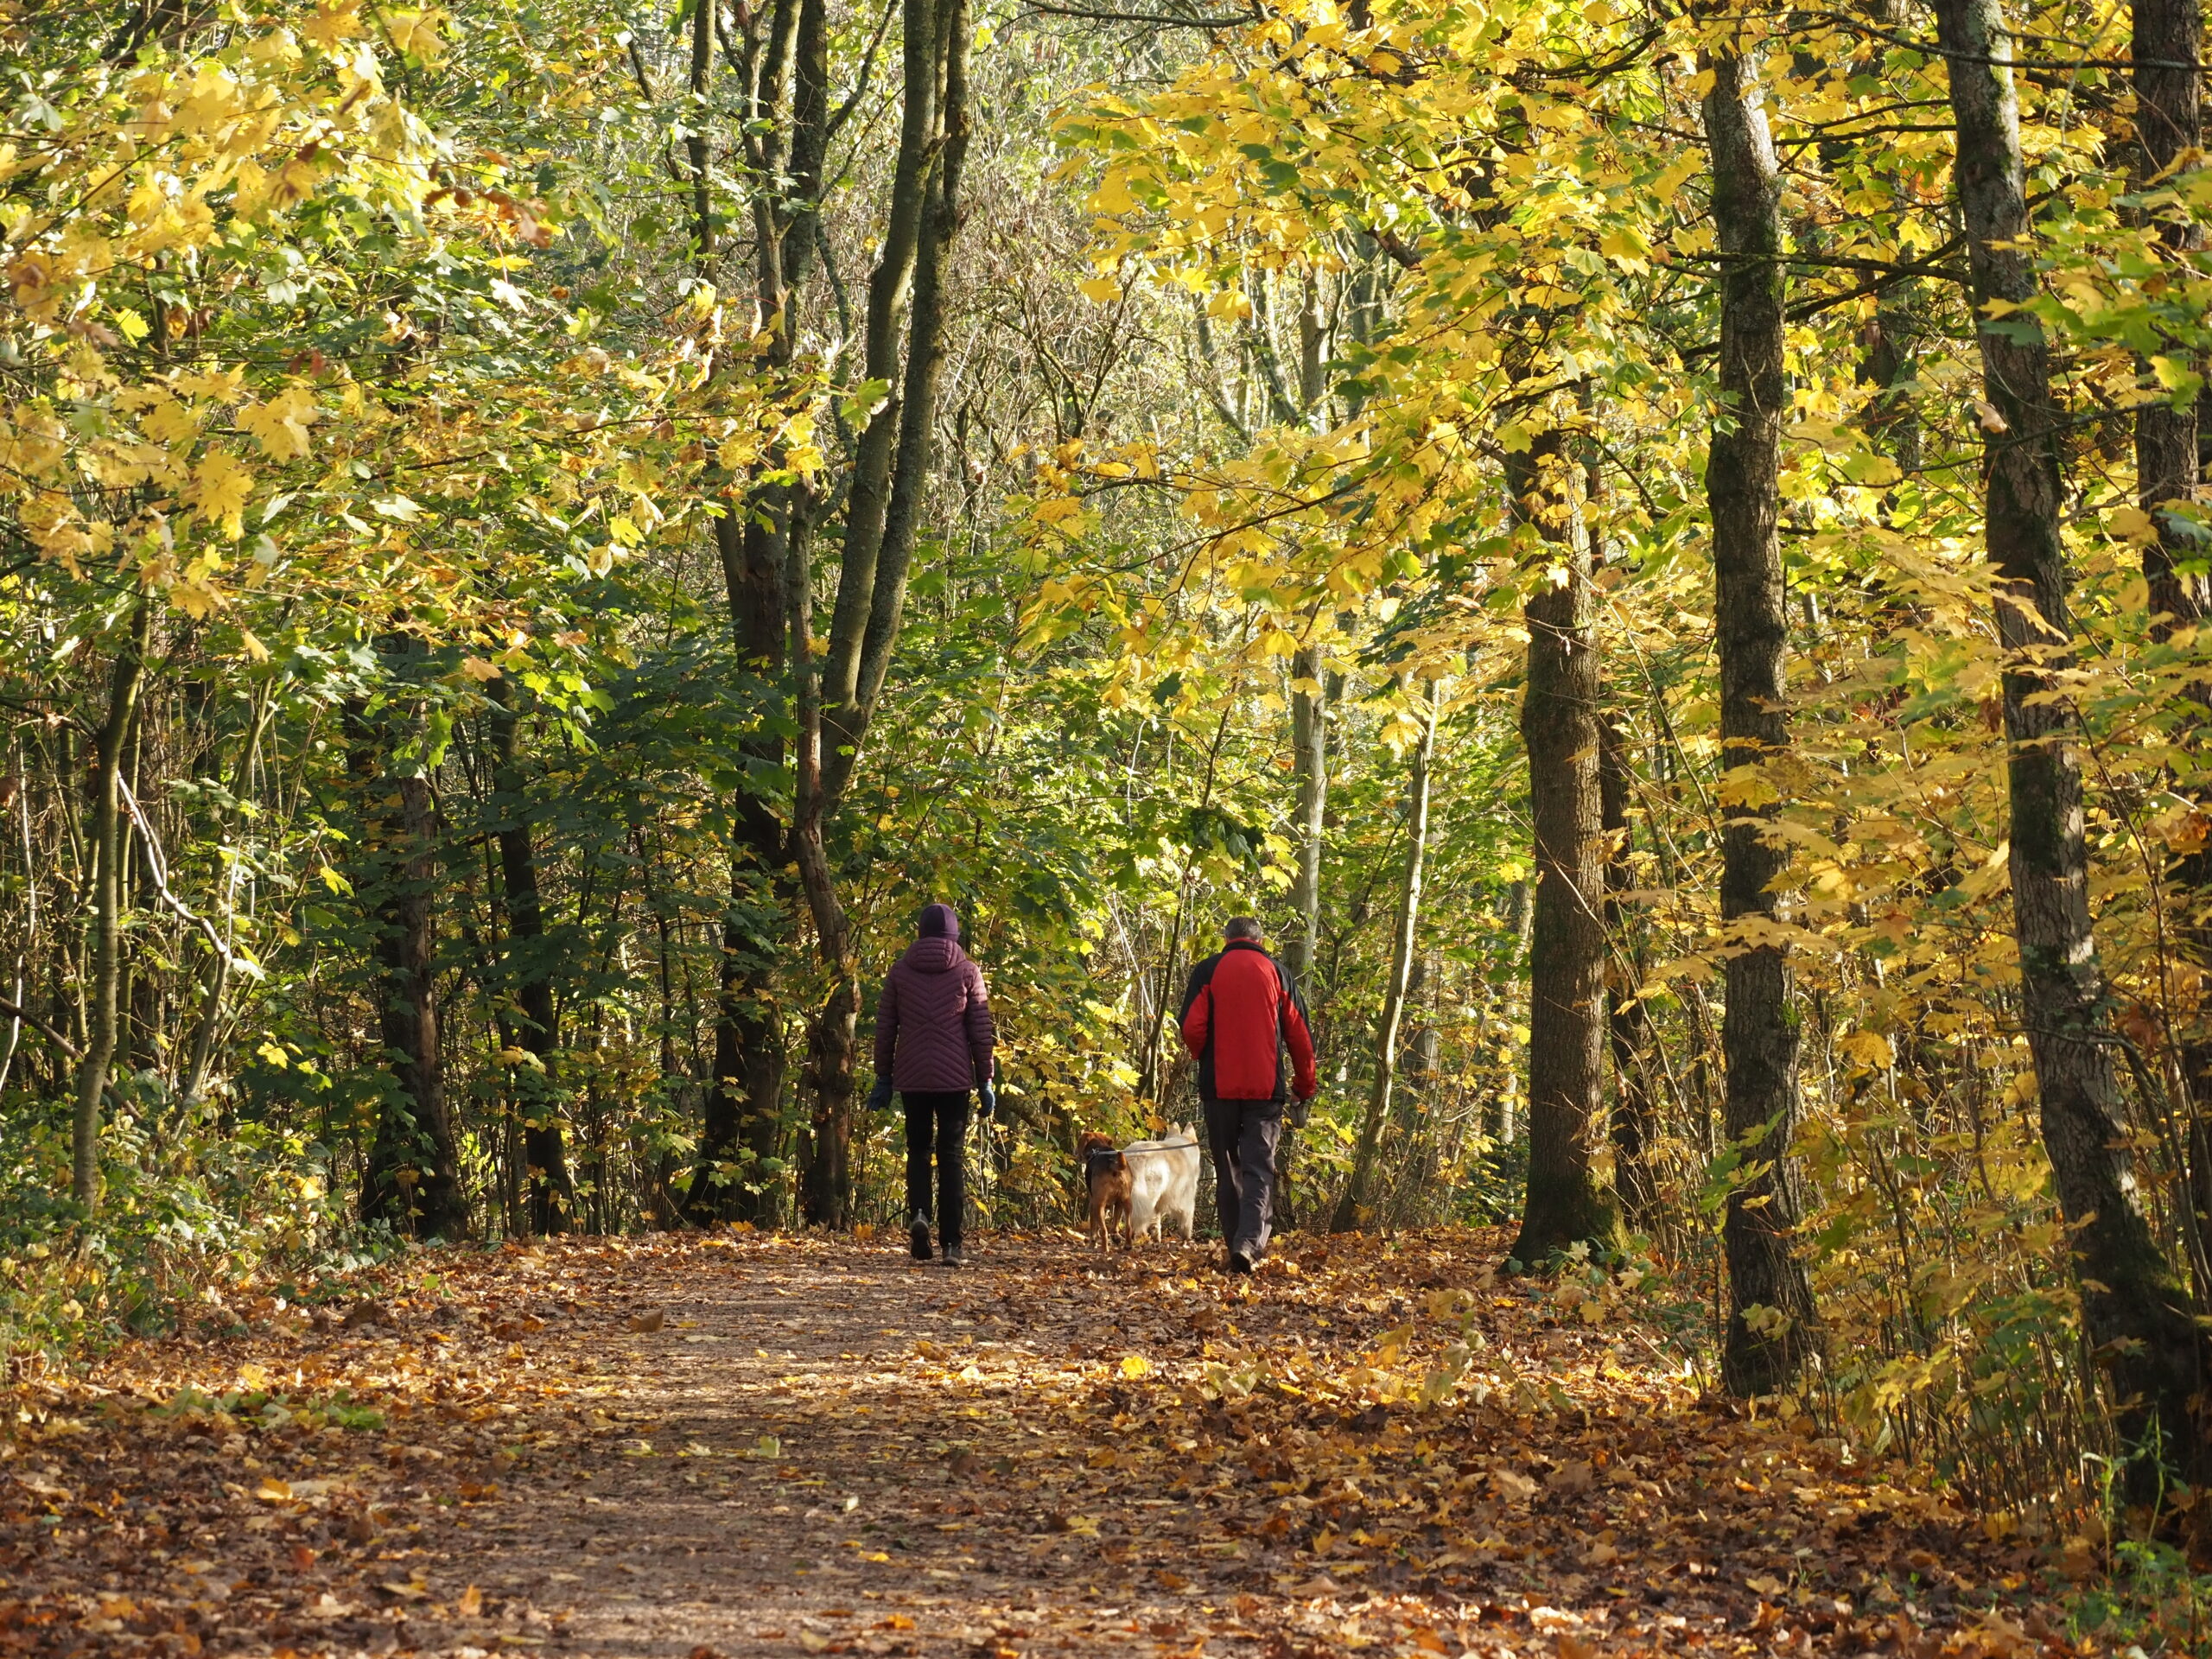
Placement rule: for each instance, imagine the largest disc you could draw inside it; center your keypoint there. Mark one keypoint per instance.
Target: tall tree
(412, 1181)
(838, 692)
(1770, 1307)
(2168, 41)
(1419, 776)
(2136, 1313)
(1563, 1203)
(782, 57)
(1309, 749)
(1633, 1121)
(529, 977)
(109, 893)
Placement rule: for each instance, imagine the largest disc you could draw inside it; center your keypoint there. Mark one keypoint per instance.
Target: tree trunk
(1309, 748)
(413, 1182)
(528, 975)
(2168, 467)
(837, 696)
(1634, 1122)
(1352, 1206)
(2168, 40)
(107, 856)
(1563, 1205)
(2136, 1313)
(738, 1173)
(1770, 1307)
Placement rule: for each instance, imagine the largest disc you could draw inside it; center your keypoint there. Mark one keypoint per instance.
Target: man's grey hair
(1242, 927)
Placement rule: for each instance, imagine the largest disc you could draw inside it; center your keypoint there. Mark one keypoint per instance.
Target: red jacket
(1239, 1012)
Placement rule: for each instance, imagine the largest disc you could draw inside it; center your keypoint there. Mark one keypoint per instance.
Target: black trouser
(945, 1118)
(1243, 1136)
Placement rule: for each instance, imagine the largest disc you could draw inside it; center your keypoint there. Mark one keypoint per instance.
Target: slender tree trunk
(1309, 747)
(738, 1173)
(825, 1153)
(2168, 43)
(838, 694)
(1424, 1042)
(1771, 1326)
(1504, 1125)
(107, 855)
(1352, 1206)
(1563, 1203)
(2136, 1313)
(1634, 1122)
(412, 1182)
(528, 975)
(2168, 50)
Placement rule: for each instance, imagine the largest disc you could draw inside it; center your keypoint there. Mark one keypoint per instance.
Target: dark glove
(879, 1098)
(988, 1098)
(1295, 1114)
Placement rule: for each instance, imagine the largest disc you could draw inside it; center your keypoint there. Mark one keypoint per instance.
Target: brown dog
(1106, 1174)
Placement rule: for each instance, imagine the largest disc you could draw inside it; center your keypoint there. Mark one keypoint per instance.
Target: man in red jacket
(1240, 1011)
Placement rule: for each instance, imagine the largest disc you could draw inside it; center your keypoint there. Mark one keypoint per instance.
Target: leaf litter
(742, 1444)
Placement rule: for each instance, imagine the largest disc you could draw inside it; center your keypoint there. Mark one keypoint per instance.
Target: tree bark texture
(2168, 43)
(1352, 1206)
(413, 1182)
(837, 696)
(1634, 1119)
(107, 844)
(786, 136)
(529, 973)
(2136, 1313)
(1563, 1205)
(1309, 748)
(2168, 48)
(1771, 1328)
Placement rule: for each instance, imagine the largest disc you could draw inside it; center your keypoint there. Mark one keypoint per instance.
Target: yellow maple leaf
(331, 24)
(169, 421)
(220, 488)
(280, 425)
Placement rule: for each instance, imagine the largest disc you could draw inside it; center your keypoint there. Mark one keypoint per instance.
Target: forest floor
(749, 1444)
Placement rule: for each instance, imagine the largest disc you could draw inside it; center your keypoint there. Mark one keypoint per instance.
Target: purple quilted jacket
(933, 1030)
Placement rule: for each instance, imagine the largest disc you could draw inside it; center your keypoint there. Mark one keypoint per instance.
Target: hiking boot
(955, 1256)
(1239, 1263)
(920, 1234)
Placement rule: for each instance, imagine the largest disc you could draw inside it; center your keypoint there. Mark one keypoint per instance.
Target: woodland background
(537, 534)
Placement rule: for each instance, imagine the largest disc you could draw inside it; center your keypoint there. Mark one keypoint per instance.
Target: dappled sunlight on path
(754, 1445)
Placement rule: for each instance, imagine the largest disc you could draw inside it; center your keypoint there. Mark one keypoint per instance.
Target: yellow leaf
(1136, 1365)
(280, 425)
(167, 421)
(1868, 1048)
(331, 24)
(220, 488)
(1113, 195)
(479, 670)
(2132, 524)
(1101, 290)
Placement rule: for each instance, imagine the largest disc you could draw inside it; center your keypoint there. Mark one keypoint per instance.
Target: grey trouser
(1242, 1134)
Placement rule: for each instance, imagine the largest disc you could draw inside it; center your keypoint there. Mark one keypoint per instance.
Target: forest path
(751, 1445)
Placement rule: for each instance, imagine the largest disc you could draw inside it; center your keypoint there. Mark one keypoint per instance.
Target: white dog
(1164, 1175)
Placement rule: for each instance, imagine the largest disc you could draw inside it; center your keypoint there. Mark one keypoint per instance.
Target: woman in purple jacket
(933, 1038)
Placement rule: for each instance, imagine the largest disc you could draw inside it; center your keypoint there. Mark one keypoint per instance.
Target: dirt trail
(753, 1445)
